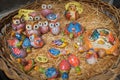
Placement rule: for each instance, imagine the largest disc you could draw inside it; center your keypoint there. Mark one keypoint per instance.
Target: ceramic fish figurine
(36, 41)
(44, 26)
(18, 23)
(54, 53)
(51, 73)
(34, 16)
(73, 10)
(32, 27)
(54, 28)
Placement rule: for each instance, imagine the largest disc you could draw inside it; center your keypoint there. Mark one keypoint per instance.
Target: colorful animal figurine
(73, 10)
(13, 42)
(54, 28)
(34, 16)
(44, 26)
(51, 73)
(52, 17)
(32, 27)
(36, 41)
(74, 29)
(54, 53)
(18, 23)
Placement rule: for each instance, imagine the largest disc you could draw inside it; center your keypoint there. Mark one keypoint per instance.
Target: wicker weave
(13, 72)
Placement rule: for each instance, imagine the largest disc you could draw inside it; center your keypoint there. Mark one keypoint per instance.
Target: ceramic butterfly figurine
(54, 28)
(34, 16)
(36, 41)
(44, 26)
(18, 23)
(32, 27)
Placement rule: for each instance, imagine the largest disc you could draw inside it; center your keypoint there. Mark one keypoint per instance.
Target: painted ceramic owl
(32, 27)
(44, 26)
(34, 16)
(54, 28)
(18, 23)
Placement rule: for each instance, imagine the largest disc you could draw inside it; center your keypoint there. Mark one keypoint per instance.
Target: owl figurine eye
(36, 27)
(51, 25)
(49, 6)
(37, 18)
(44, 6)
(57, 24)
(17, 21)
(28, 27)
(45, 23)
(30, 18)
(40, 24)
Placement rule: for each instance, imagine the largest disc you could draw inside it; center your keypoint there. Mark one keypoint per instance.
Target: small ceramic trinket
(75, 62)
(46, 10)
(54, 53)
(101, 53)
(13, 42)
(74, 29)
(18, 23)
(44, 26)
(54, 28)
(91, 56)
(52, 17)
(51, 73)
(36, 41)
(73, 10)
(42, 59)
(34, 16)
(32, 27)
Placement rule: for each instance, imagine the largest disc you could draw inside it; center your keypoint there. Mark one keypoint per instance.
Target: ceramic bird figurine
(44, 26)
(34, 16)
(32, 27)
(54, 28)
(18, 23)
(36, 41)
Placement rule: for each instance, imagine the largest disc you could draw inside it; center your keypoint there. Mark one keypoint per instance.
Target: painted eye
(22, 19)
(30, 18)
(16, 21)
(45, 23)
(44, 6)
(57, 24)
(28, 27)
(40, 24)
(36, 26)
(51, 25)
(49, 6)
(37, 18)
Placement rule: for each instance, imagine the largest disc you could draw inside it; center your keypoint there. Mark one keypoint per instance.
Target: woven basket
(13, 72)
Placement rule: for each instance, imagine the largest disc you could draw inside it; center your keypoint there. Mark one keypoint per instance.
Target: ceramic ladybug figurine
(51, 73)
(18, 23)
(32, 27)
(36, 41)
(54, 28)
(44, 26)
(74, 29)
(34, 16)
(73, 10)
(75, 62)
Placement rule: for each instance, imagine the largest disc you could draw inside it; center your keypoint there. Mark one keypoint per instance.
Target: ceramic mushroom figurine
(44, 26)
(18, 23)
(73, 10)
(32, 27)
(54, 28)
(34, 16)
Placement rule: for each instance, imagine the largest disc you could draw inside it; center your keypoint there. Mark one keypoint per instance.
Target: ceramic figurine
(80, 47)
(36, 41)
(54, 53)
(44, 26)
(32, 27)
(73, 10)
(101, 53)
(13, 42)
(52, 17)
(34, 16)
(65, 76)
(46, 10)
(51, 73)
(54, 28)
(18, 23)
(91, 56)
(41, 59)
(74, 29)
(74, 62)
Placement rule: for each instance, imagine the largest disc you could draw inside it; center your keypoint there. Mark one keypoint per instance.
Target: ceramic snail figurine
(73, 10)
(54, 53)
(32, 27)
(36, 41)
(91, 56)
(64, 68)
(18, 23)
(44, 26)
(34, 16)
(75, 62)
(74, 29)
(54, 28)
(51, 73)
